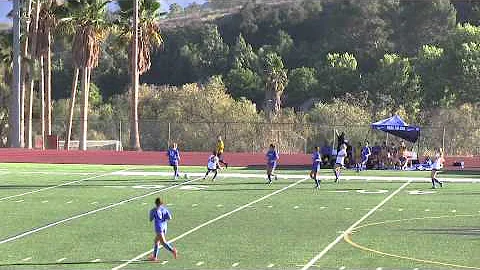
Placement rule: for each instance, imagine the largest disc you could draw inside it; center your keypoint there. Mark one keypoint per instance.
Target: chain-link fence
(255, 137)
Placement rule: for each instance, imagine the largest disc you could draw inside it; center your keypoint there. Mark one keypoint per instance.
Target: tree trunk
(72, 107)
(278, 101)
(84, 109)
(23, 73)
(42, 99)
(33, 46)
(23, 80)
(134, 132)
(30, 86)
(48, 85)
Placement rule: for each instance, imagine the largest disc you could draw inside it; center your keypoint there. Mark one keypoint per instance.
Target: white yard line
(321, 177)
(349, 230)
(61, 185)
(214, 220)
(92, 212)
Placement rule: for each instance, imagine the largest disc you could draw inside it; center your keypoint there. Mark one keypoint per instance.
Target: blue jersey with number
(316, 157)
(272, 156)
(173, 156)
(366, 151)
(160, 215)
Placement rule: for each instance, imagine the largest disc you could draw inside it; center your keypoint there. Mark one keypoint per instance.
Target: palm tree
(26, 14)
(88, 25)
(146, 27)
(275, 82)
(48, 18)
(30, 84)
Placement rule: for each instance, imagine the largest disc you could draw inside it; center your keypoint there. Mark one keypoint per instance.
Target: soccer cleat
(226, 165)
(276, 177)
(269, 182)
(175, 253)
(152, 258)
(433, 187)
(441, 184)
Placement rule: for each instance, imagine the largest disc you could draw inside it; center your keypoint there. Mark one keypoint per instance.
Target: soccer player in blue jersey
(272, 158)
(174, 158)
(365, 153)
(316, 159)
(160, 215)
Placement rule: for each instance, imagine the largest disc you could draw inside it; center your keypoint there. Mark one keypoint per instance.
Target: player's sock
(433, 182)
(214, 176)
(168, 246)
(155, 250)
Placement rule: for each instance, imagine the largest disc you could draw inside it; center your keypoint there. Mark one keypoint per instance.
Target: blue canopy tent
(396, 126)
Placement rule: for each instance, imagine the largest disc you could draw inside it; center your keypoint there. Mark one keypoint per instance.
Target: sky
(6, 6)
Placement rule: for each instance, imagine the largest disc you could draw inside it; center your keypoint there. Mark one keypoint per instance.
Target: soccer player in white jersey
(437, 165)
(340, 162)
(213, 165)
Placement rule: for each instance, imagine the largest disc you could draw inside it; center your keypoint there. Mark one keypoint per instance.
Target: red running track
(10, 155)
(138, 158)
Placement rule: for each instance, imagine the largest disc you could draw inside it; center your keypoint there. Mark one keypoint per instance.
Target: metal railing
(256, 136)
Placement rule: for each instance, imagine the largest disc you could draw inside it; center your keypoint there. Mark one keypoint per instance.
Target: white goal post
(95, 145)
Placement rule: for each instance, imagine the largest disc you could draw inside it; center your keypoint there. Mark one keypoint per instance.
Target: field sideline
(95, 217)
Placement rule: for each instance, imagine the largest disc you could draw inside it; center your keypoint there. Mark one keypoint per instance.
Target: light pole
(15, 104)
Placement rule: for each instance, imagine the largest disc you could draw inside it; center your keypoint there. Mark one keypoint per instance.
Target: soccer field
(96, 217)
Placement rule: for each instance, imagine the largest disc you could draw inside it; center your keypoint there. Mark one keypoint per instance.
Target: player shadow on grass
(463, 231)
(133, 180)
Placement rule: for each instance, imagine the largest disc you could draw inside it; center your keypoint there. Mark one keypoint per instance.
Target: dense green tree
(242, 55)
(303, 84)
(244, 82)
(423, 22)
(430, 66)
(467, 11)
(210, 55)
(394, 86)
(339, 75)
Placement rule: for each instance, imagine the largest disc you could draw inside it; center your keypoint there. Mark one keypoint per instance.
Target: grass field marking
(348, 231)
(18, 236)
(348, 239)
(214, 220)
(61, 185)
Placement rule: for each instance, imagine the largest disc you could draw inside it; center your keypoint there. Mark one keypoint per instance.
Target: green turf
(283, 231)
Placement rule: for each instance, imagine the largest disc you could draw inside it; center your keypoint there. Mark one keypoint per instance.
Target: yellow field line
(348, 239)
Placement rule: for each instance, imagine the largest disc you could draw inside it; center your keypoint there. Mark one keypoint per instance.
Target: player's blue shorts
(272, 165)
(173, 163)
(161, 230)
(315, 166)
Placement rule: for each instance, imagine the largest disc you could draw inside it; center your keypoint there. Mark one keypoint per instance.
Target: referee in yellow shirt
(220, 148)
